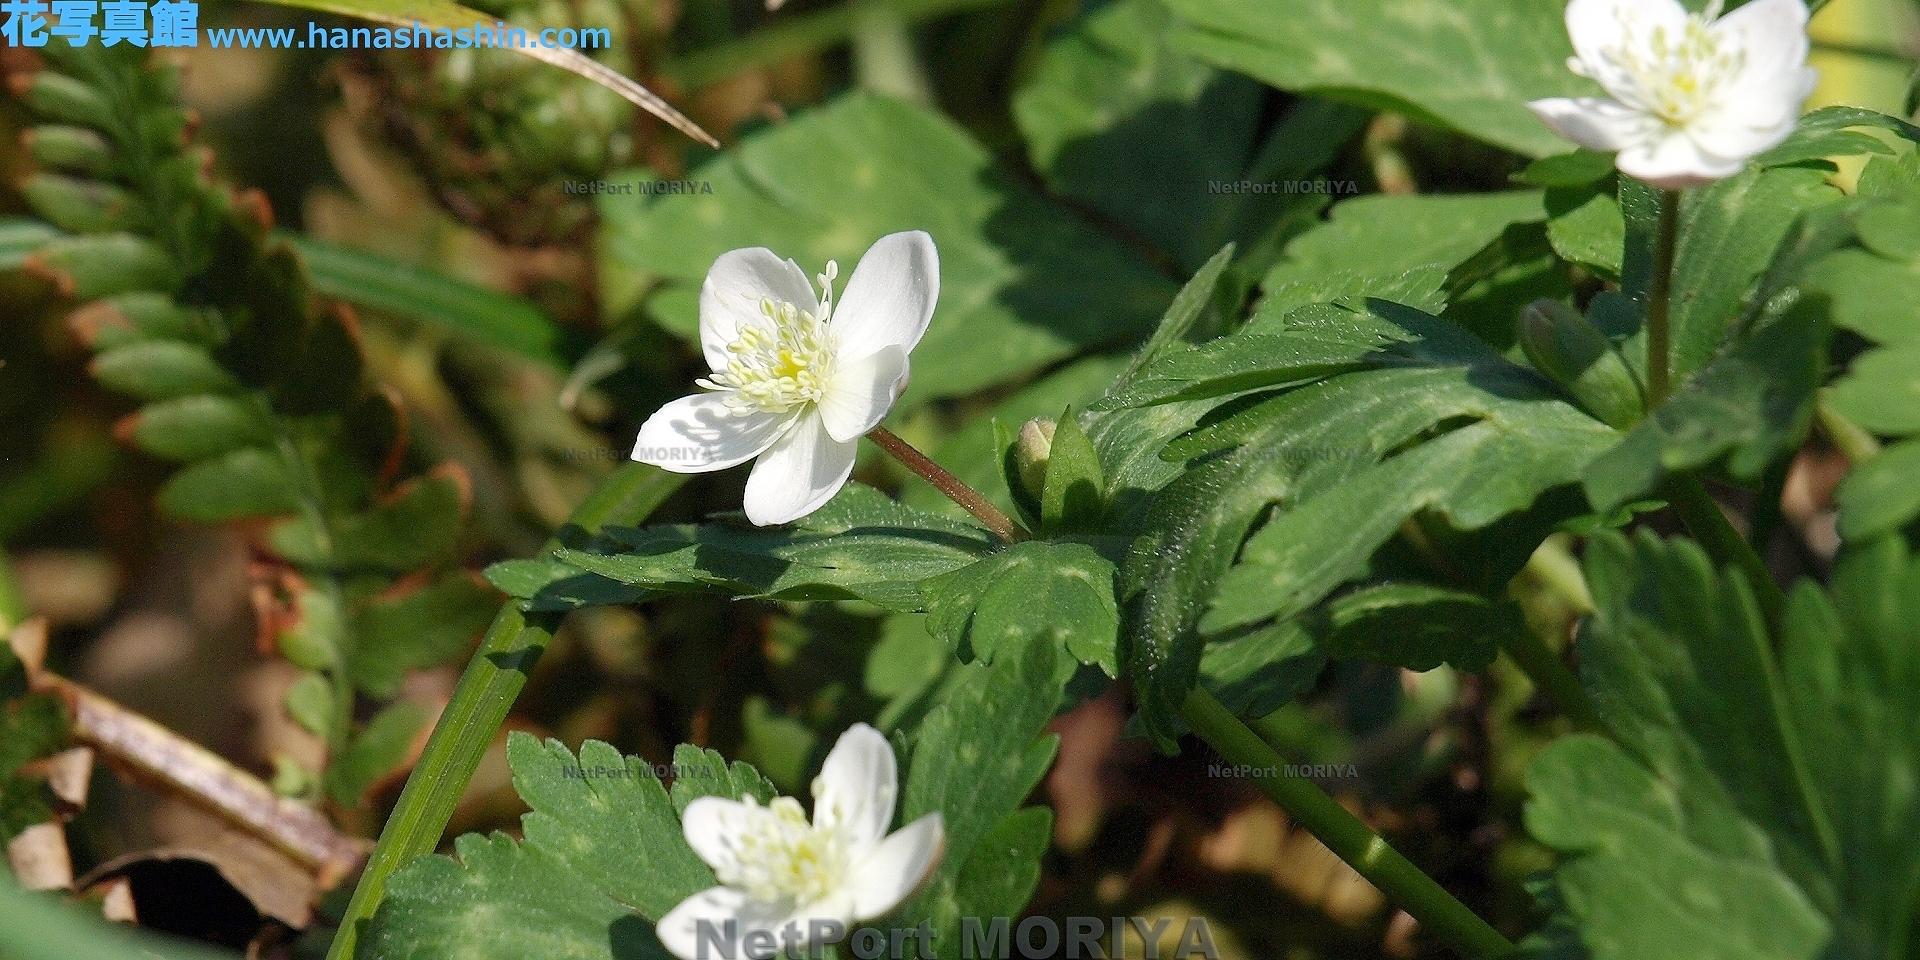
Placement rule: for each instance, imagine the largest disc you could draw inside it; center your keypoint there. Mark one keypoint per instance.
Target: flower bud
(1563, 345)
(1031, 452)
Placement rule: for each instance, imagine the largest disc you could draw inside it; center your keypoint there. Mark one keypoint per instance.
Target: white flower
(1691, 97)
(797, 378)
(788, 878)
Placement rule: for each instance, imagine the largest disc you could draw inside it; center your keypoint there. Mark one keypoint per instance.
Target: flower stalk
(1660, 301)
(1343, 833)
(955, 488)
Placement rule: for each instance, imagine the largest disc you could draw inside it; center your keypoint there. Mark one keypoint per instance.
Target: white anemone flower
(797, 378)
(789, 881)
(1690, 97)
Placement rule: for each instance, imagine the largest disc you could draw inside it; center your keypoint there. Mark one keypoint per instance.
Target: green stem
(955, 488)
(1723, 543)
(884, 60)
(486, 692)
(13, 606)
(1554, 678)
(1343, 833)
(1659, 302)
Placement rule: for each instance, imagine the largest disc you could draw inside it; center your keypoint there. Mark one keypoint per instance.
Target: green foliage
(1747, 795)
(1118, 118)
(1470, 66)
(252, 384)
(1023, 283)
(861, 545)
(1063, 592)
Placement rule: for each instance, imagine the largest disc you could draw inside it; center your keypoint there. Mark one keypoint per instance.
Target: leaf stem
(486, 691)
(955, 488)
(1723, 543)
(1659, 301)
(1343, 833)
(1551, 674)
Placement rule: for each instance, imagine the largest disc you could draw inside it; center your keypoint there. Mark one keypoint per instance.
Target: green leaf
(502, 901)
(483, 316)
(608, 819)
(1471, 65)
(419, 524)
(1061, 592)
(310, 703)
(975, 758)
(1023, 284)
(861, 545)
(249, 482)
(1112, 106)
(1414, 625)
(430, 626)
(40, 926)
(1585, 226)
(161, 370)
(1751, 406)
(699, 772)
(1071, 498)
(1383, 235)
(200, 426)
(1880, 494)
(378, 751)
(1882, 390)
(31, 727)
(1759, 805)
(20, 237)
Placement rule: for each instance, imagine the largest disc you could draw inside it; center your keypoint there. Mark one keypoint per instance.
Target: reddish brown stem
(955, 488)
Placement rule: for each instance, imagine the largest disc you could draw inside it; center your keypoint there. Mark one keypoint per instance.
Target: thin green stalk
(1343, 833)
(13, 606)
(493, 678)
(1659, 302)
(1723, 543)
(1554, 678)
(798, 37)
(884, 59)
(955, 488)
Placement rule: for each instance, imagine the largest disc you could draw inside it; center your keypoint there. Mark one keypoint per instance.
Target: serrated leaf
(249, 482)
(608, 819)
(422, 629)
(502, 901)
(1023, 284)
(1762, 805)
(699, 772)
(417, 526)
(1060, 593)
(1384, 235)
(1881, 392)
(1471, 65)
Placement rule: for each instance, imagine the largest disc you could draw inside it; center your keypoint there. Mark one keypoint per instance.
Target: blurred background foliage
(525, 325)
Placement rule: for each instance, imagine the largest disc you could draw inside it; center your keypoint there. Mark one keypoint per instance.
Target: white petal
(860, 393)
(1675, 162)
(1592, 122)
(679, 930)
(896, 868)
(1597, 26)
(890, 297)
(802, 470)
(713, 826)
(1771, 33)
(736, 283)
(701, 434)
(855, 791)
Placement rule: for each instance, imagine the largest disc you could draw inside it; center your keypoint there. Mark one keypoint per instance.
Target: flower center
(784, 859)
(1680, 76)
(784, 360)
